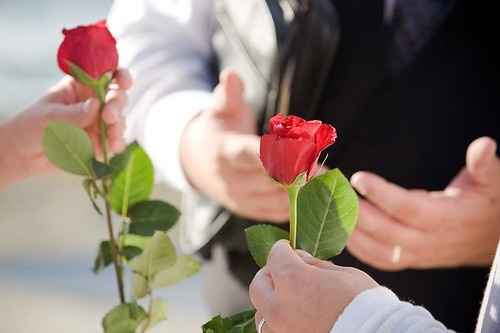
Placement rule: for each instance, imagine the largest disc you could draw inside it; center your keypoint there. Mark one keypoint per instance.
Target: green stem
(150, 312)
(116, 256)
(115, 248)
(293, 193)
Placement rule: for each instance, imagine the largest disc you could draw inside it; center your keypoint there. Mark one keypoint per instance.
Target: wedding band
(396, 254)
(261, 325)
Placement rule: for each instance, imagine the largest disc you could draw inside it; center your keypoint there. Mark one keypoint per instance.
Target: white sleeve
(379, 310)
(167, 46)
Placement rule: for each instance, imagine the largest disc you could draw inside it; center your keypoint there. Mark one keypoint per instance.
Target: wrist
(11, 170)
(189, 147)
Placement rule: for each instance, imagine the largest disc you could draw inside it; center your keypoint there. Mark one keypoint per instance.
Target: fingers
(115, 137)
(390, 198)
(123, 79)
(229, 99)
(310, 260)
(241, 152)
(116, 101)
(378, 254)
(79, 114)
(266, 327)
(112, 114)
(268, 207)
(380, 226)
(262, 291)
(285, 266)
(482, 162)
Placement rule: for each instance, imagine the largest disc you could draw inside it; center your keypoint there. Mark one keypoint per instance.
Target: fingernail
(281, 242)
(358, 184)
(86, 105)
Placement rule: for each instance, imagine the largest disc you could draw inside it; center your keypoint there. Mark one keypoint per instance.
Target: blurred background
(48, 231)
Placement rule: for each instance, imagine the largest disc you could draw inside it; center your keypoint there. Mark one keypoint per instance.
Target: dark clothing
(406, 107)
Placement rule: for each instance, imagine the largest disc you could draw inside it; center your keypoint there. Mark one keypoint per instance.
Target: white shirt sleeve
(167, 46)
(379, 310)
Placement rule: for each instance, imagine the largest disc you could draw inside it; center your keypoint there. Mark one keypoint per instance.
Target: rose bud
(292, 147)
(92, 48)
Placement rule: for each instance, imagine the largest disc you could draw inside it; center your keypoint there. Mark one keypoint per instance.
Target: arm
(379, 310)
(167, 45)
(296, 293)
(21, 136)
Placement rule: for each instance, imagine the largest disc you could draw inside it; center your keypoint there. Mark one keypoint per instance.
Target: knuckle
(293, 277)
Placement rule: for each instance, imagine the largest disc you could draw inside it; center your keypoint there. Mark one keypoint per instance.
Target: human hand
(298, 293)
(220, 156)
(459, 226)
(68, 101)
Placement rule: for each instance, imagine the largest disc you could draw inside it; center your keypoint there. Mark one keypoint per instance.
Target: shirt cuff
(362, 308)
(162, 132)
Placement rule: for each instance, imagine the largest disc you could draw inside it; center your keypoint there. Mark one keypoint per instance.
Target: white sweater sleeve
(167, 45)
(379, 310)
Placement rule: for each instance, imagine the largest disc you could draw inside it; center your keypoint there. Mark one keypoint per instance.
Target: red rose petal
(91, 47)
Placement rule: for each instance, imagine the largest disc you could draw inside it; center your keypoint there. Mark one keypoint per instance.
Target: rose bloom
(293, 146)
(91, 47)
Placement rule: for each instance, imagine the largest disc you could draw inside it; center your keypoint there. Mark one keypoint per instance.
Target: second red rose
(292, 147)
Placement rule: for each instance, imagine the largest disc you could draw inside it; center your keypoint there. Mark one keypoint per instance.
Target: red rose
(91, 47)
(293, 146)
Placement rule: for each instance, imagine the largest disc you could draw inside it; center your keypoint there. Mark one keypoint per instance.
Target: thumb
(79, 114)
(283, 262)
(229, 99)
(482, 162)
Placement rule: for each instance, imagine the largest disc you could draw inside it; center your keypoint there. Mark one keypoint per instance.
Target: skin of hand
(69, 101)
(459, 226)
(220, 156)
(298, 293)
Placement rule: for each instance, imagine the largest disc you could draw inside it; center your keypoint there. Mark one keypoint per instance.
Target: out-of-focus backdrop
(48, 232)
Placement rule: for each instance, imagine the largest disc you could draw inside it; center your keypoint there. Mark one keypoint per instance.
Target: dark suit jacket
(406, 107)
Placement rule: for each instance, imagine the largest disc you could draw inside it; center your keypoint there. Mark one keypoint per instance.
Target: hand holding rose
(220, 156)
(459, 226)
(298, 293)
(69, 101)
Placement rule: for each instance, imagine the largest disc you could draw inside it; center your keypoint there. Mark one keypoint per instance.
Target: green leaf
(69, 148)
(216, 325)
(327, 214)
(119, 161)
(149, 216)
(185, 267)
(91, 191)
(140, 286)
(134, 183)
(104, 257)
(130, 252)
(261, 238)
(137, 241)
(133, 245)
(157, 315)
(243, 322)
(159, 254)
(124, 318)
(101, 169)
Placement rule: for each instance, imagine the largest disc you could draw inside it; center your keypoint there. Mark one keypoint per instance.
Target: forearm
(379, 310)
